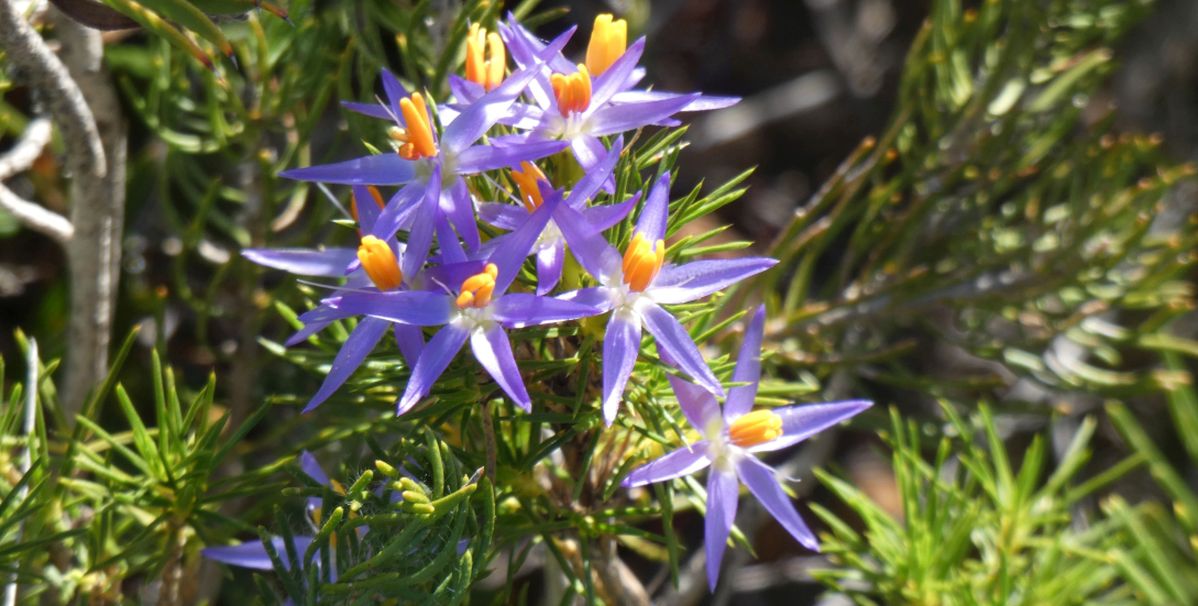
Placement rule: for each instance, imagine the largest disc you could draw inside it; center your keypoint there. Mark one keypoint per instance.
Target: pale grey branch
(97, 212)
(18, 159)
(35, 216)
(27, 52)
(27, 149)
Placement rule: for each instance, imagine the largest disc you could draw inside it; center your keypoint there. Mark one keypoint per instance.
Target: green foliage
(976, 526)
(104, 506)
(422, 530)
(1163, 559)
(996, 213)
(152, 486)
(179, 22)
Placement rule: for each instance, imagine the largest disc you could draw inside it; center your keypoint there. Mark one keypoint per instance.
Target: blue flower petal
(722, 495)
(379, 169)
(494, 352)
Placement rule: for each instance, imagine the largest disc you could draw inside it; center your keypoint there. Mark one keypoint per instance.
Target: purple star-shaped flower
(614, 106)
(479, 312)
(344, 262)
(431, 169)
(635, 287)
(525, 46)
(550, 247)
(731, 437)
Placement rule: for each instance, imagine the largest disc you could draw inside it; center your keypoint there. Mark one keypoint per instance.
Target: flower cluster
(423, 269)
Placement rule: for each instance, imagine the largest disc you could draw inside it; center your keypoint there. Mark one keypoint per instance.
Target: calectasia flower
(480, 311)
(430, 168)
(731, 437)
(378, 264)
(574, 105)
(580, 103)
(533, 187)
(635, 285)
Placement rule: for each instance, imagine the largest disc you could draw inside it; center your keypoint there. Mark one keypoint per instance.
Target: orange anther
(642, 261)
(609, 40)
(379, 263)
(757, 427)
(476, 290)
(415, 141)
(481, 69)
(573, 91)
(526, 180)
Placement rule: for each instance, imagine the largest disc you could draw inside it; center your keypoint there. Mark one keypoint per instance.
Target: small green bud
(331, 523)
(414, 496)
(409, 484)
(386, 469)
(361, 483)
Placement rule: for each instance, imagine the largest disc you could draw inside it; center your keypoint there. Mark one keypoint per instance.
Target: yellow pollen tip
(526, 180)
(416, 140)
(642, 261)
(486, 57)
(609, 40)
(573, 91)
(757, 427)
(379, 263)
(477, 289)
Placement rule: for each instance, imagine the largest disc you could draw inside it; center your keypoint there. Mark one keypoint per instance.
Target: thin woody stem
(97, 212)
(76, 90)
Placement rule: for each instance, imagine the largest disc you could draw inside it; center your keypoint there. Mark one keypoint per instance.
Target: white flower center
(567, 128)
(549, 237)
(723, 453)
(474, 318)
(626, 300)
(424, 168)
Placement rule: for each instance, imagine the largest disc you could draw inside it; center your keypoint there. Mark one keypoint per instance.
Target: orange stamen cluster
(415, 141)
(642, 261)
(480, 69)
(573, 91)
(526, 180)
(757, 427)
(609, 40)
(477, 289)
(374, 193)
(379, 263)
